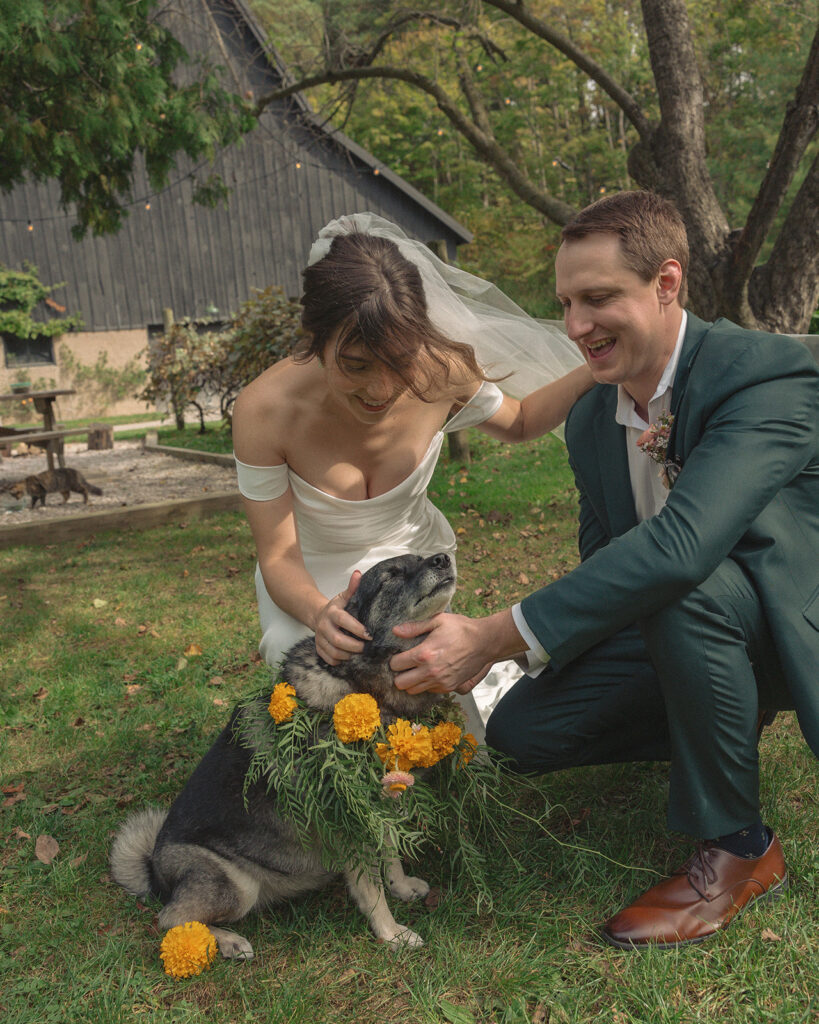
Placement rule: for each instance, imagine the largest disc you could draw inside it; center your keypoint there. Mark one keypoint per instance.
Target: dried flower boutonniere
(654, 442)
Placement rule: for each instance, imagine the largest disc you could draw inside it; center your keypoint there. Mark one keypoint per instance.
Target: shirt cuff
(536, 658)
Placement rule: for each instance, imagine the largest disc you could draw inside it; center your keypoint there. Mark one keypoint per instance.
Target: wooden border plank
(137, 517)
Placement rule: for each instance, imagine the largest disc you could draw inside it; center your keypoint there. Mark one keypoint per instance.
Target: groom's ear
(669, 281)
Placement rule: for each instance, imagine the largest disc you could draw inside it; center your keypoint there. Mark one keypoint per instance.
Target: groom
(695, 609)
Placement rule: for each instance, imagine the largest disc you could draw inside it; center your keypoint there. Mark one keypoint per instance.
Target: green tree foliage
(514, 114)
(88, 85)
(21, 293)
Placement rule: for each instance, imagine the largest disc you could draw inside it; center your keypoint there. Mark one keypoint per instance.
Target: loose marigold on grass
(188, 949)
(356, 717)
(282, 703)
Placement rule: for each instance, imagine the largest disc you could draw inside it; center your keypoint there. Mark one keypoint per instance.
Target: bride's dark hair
(364, 292)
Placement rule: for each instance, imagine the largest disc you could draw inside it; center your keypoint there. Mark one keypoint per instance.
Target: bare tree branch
(518, 10)
(798, 128)
(485, 145)
(777, 294)
(678, 145)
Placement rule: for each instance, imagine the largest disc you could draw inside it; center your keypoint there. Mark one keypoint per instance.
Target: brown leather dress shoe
(699, 899)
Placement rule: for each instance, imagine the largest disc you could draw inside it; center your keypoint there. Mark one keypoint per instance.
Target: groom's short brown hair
(649, 227)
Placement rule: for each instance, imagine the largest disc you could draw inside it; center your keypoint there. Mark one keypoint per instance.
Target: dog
(214, 856)
(63, 480)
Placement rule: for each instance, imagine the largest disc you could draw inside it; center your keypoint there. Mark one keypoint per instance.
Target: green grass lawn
(106, 704)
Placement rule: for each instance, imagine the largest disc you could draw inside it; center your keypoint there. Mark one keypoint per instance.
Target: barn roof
(289, 177)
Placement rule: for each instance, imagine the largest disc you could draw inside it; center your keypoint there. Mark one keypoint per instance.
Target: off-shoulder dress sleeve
(261, 483)
(481, 406)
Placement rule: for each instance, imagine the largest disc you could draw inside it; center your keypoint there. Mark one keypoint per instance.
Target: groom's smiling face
(624, 326)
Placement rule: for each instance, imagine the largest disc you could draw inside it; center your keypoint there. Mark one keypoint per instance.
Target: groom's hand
(448, 659)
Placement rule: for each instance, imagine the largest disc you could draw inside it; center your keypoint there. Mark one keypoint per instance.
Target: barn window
(28, 351)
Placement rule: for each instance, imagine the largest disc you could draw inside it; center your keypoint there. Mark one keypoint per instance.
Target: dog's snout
(441, 561)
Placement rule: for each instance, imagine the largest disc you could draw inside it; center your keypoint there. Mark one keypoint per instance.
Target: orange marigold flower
(356, 717)
(411, 745)
(445, 738)
(188, 949)
(469, 748)
(282, 703)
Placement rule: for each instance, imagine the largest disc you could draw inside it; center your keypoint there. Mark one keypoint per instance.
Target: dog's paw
(405, 938)
(408, 888)
(232, 946)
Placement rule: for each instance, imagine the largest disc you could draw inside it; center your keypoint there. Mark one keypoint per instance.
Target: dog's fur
(212, 857)
(63, 480)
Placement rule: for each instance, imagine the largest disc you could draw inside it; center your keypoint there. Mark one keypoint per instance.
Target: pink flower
(395, 783)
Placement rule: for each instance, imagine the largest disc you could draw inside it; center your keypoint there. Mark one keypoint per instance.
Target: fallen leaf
(141, 630)
(193, 651)
(132, 688)
(182, 663)
(523, 578)
(99, 602)
(46, 849)
(540, 1015)
(79, 721)
(9, 790)
(219, 702)
(41, 694)
(769, 936)
(216, 681)
(76, 861)
(118, 621)
(18, 833)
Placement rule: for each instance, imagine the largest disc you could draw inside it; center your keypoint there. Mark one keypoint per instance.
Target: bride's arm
(540, 412)
(272, 523)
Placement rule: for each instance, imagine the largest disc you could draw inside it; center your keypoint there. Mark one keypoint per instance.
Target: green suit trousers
(685, 685)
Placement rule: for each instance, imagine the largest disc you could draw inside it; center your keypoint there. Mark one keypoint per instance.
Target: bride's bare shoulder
(273, 391)
(265, 407)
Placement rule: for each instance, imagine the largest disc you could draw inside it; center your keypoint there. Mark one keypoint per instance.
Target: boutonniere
(654, 442)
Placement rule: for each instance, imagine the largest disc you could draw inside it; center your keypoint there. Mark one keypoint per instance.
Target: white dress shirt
(644, 474)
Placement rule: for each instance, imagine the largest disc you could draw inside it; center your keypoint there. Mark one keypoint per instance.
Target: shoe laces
(701, 873)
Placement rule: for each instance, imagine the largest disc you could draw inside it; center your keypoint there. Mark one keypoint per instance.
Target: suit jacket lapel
(695, 330)
(612, 462)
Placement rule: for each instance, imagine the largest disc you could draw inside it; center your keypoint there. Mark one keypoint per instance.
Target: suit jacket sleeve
(745, 428)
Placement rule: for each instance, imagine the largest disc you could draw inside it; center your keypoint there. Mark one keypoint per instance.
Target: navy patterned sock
(751, 841)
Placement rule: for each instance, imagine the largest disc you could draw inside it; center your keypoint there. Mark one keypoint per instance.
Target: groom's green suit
(653, 638)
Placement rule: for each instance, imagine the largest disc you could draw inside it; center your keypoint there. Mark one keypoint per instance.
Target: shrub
(189, 361)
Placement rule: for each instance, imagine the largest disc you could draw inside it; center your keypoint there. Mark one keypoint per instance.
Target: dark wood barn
(288, 178)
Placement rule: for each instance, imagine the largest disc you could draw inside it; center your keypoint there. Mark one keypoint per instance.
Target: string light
(440, 131)
(376, 171)
(147, 206)
(139, 46)
(298, 165)
(602, 189)
(30, 226)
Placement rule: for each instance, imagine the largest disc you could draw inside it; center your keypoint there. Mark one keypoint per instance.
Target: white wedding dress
(337, 536)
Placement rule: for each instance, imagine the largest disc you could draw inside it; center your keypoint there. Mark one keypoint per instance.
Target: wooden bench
(50, 440)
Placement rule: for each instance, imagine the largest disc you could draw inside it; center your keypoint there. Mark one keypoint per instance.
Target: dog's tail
(132, 849)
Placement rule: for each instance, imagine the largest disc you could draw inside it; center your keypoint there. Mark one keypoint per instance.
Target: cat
(63, 480)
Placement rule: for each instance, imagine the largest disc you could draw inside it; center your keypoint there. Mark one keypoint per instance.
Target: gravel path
(127, 474)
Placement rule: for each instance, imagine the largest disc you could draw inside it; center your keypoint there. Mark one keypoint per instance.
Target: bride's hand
(334, 625)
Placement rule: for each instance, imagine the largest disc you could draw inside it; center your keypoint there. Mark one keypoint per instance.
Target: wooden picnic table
(44, 404)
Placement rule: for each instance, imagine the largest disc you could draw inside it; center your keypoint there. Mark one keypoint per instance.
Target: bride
(335, 445)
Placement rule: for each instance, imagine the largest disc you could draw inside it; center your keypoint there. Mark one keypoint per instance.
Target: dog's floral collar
(654, 443)
(356, 782)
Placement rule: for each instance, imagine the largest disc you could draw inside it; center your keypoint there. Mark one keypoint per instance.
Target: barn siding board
(188, 257)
